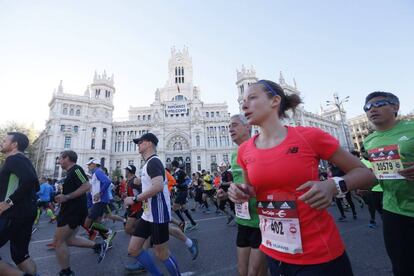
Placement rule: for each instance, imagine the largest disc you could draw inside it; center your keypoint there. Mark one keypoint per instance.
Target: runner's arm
(104, 180)
(240, 193)
(84, 188)
(156, 187)
(27, 178)
(357, 176)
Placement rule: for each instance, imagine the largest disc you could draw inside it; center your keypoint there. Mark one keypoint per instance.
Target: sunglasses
(379, 103)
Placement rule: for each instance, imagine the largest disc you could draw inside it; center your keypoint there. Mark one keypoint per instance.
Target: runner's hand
(408, 172)
(240, 193)
(4, 206)
(129, 201)
(320, 194)
(96, 197)
(61, 198)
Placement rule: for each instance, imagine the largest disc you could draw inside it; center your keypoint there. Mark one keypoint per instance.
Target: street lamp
(338, 104)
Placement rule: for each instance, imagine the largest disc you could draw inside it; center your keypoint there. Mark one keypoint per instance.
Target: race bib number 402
(279, 223)
(386, 162)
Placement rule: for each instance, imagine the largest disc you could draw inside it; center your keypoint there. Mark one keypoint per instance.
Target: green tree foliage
(14, 126)
(116, 173)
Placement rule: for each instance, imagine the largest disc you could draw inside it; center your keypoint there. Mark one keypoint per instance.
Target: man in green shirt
(251, 261)
(391, 153)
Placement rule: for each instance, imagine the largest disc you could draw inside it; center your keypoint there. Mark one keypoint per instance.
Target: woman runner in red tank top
(280, 166)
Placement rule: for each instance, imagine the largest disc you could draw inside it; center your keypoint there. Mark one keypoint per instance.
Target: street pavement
(217, 256)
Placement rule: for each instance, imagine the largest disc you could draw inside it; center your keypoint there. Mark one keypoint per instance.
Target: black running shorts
(157, 231)
(181, 198)
(73, 221)
(18, 231)
(248, 237)
(97, 210)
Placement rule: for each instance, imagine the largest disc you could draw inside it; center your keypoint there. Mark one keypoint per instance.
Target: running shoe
(102, 252)
(110, 238)
(355, 216)
(230, 219)
(372, 225)
(341, 219)
(34, 229)
(136, 267)
(191, 227)
(194, 249)
(66, 274)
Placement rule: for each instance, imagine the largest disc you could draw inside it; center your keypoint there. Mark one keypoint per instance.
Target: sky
(348, 47)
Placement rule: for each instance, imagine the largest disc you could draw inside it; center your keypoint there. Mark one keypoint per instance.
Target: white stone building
(191, 131)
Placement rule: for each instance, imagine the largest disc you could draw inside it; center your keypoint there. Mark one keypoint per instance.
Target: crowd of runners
(274, 190)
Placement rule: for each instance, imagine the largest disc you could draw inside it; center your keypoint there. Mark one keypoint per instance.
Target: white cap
(93, 161)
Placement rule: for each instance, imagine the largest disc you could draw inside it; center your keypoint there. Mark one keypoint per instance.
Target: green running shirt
(398, 193)
(238, 179)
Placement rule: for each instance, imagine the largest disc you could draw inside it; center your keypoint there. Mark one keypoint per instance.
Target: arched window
(102, 162)
(94, 130)
(71, 112)
(65, 111)
(77, 112)
(182, 71)
(93, 143)
(103, 144)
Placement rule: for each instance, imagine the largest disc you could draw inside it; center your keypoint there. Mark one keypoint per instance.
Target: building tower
(99, 124)
(245, 77)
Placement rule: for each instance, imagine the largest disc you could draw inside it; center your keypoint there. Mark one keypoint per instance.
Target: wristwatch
(9, 201)
(135, 198)
(340, 186)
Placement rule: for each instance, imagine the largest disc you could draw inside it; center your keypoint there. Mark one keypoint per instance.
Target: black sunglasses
(379, 103)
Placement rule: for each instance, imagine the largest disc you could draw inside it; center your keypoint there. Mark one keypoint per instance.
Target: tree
(116, 173)
(14, 126)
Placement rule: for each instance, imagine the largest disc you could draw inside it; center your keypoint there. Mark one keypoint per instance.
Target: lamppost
(338, 104)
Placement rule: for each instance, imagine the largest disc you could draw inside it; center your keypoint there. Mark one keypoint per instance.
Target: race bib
(386, 162)
(279, 223)
(145, 205)
(242, 210)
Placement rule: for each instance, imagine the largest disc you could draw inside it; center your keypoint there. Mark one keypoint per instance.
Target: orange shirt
(171, 181)
(217, 181)
(280, 170)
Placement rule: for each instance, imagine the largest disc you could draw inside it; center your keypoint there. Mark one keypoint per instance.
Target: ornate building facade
(190, 131)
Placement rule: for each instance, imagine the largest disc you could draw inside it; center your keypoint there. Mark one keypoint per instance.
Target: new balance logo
(285, 205)
(403, 138)
(293, 150)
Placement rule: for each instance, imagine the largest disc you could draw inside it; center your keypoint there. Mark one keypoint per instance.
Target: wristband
(135, 198)
(9, 201)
